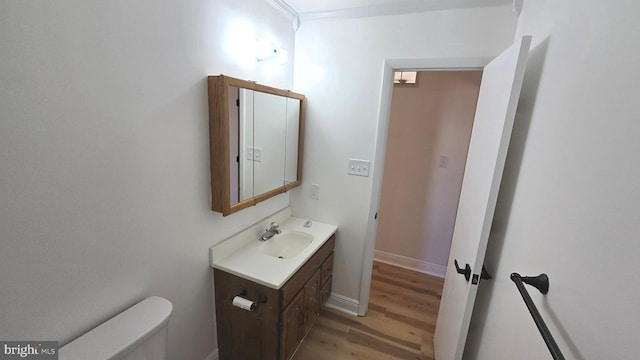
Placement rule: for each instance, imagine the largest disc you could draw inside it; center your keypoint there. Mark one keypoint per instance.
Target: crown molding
(287, 11)
(415, 6)
(398, 9)
(517, 6)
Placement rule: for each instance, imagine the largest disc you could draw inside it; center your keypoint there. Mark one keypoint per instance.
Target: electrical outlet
(358, 167)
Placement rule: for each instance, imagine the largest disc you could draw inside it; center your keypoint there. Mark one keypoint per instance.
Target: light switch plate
(254, 153)
(358, 167)
(315, 191)
(443, 162)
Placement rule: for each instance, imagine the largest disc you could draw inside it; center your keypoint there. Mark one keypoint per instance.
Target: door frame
(389, 66)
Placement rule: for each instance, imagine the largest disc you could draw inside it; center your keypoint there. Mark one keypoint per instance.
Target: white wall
(104, 160)
(568, 205)
(339, 65)
(419, 194)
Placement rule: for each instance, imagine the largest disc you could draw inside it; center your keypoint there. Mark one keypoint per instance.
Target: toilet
(138, 333)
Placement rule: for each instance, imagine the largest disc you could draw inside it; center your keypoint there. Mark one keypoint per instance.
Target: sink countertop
(245, 257)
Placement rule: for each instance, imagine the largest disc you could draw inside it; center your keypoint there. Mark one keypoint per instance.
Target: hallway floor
(400, 324)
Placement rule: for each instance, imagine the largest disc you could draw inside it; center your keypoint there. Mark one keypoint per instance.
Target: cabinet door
(242, 334)
(311, 300)
(292, 326)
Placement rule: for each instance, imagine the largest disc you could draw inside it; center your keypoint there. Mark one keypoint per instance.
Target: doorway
(390, 66)
(496, 108)
(428, 137)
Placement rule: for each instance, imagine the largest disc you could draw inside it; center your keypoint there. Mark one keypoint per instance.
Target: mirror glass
(234, 145)
(263, 142)
(292, 141)
(270, 126)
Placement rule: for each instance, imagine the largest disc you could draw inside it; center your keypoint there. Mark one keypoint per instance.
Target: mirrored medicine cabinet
(256, 141)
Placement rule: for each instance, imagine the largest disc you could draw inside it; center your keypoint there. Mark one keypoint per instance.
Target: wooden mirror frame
(219, 143)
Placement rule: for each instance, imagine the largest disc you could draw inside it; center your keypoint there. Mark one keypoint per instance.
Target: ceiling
(355, 8)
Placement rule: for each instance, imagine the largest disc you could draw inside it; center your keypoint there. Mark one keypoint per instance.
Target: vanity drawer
(327, 269)
(289, 290)
(325, 293)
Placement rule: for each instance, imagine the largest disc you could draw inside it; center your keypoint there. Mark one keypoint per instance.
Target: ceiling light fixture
(405, 77)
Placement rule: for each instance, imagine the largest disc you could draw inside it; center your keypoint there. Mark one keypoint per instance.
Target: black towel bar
(540, 282)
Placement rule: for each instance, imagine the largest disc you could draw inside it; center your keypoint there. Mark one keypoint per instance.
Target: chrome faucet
(270, 232)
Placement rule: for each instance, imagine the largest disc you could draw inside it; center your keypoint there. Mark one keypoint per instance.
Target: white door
(495, 112)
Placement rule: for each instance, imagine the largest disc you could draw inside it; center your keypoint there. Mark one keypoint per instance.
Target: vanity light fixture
(268, 51)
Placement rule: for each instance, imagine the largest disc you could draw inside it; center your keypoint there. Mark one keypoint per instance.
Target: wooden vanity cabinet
(325, 281)
(275, 329)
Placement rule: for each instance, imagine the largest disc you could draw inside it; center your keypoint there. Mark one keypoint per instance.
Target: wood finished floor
(403, 308)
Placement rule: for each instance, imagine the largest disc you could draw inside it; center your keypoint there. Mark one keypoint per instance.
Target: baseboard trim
(213, 356)
(344, 304)
(411, 264)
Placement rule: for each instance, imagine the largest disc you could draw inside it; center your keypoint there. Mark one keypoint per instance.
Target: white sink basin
(287, 245)
(271, 263)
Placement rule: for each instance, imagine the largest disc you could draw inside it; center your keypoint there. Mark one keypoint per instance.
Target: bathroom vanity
(268, 294)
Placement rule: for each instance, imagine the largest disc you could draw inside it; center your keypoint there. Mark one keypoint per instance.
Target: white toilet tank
(138, 333)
